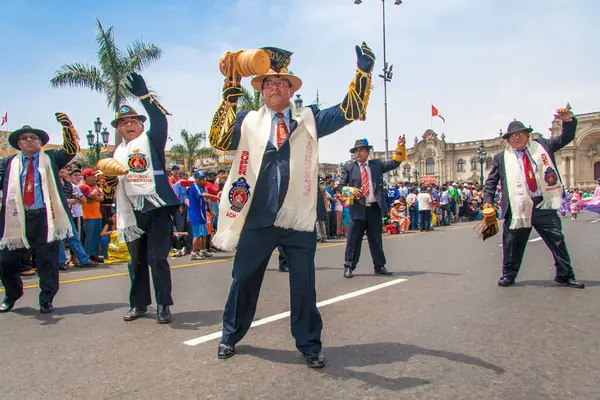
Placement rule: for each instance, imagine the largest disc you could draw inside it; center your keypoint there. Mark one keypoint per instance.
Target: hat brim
(353, 150)
(507, 134)
(296, 82)
(13, 138)
(115, 122)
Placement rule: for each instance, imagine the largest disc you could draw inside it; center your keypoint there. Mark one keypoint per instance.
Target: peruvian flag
(4, 118)
(436, 113)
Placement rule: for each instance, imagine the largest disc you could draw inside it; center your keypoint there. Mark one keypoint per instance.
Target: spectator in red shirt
(174, 176)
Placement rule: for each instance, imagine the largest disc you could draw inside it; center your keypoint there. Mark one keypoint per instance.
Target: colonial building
(431, 157)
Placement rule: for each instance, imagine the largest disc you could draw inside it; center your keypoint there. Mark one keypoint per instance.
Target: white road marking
(594, 221)
(276, 317)
(535, 240)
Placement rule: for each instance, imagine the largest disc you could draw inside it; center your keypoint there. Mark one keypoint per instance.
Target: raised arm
(158, 132)
(569, 126)
(354, 105)
(70, 146)
(226, 125)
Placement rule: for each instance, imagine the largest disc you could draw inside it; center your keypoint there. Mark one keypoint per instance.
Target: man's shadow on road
(192, 320)
(550, 283)
(396, 274)
(55, 317)
(341, 359)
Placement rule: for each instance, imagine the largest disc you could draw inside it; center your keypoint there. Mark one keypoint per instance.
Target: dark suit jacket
(498, 172)
(58, 160)
(266, 202)
(351, 176)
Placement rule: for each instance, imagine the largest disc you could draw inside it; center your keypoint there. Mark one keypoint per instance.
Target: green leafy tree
(251, 100)
(192, 148)
(88, 159)
(114, 65)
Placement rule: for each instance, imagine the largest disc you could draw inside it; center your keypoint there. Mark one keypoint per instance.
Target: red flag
(4, 118)
(436, 113)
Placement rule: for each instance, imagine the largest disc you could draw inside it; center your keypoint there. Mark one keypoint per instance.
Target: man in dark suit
(155, 218)
(534, 184)
(270, 190)
(364, 181)
(32, 212)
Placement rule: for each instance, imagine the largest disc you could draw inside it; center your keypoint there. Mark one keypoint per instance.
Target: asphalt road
(444, 330)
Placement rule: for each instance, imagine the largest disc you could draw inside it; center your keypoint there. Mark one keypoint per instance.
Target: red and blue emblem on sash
(239, 194)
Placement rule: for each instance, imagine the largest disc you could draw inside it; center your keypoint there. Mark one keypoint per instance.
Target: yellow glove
(400, 152)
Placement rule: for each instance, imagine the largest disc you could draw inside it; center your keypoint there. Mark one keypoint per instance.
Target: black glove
(365, 58)
(63, 119)
(232, 94)
(136, 84)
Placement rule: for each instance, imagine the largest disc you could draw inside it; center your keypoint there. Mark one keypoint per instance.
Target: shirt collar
(34, 156)
(286, 114)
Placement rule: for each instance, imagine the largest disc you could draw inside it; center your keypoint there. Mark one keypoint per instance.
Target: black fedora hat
(516, 126)
(13, 139)
(126, 111)
(361, 143)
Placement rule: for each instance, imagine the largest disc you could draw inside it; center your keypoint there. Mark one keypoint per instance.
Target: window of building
(460, 166)
(474, 164)
(488, 163)
(406, 172)
(429, 166)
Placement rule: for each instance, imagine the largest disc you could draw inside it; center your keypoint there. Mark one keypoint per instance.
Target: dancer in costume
(531, 196)
(592, 203)
(565, 206)
(35, 214)
(270, 198)
(363, 181)
(145, 202)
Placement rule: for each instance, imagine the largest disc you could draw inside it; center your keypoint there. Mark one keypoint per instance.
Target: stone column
(572, 164)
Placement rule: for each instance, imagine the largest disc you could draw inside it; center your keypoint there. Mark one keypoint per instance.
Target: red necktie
(364, 178)
(28, 195)
(529, 174)
(282, 131)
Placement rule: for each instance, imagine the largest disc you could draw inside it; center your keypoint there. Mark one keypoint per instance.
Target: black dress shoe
(6, 306)
(284, 269)
(348, 272)
(163, 314)
(315, 360)
(382, 271)
(225, 351)
(135, 313)
(505, 282)
(46, 308)
(572, 283)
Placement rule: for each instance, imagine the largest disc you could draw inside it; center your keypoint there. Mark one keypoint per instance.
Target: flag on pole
(436, 113)
(4, 119)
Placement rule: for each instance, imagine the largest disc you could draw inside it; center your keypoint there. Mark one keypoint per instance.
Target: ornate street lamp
(416, 175)
(298, 101)
(387, 77)
(481, 157)
(98, 143)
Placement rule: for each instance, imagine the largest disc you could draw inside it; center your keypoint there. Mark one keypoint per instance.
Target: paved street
(440, 329)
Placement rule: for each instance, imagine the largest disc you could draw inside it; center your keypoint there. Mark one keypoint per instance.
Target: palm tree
(114, 66)
(192, 148)
(250, 100)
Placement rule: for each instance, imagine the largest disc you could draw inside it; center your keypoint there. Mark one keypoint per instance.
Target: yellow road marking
(323, 246)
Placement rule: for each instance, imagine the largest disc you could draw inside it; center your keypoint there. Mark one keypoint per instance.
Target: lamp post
(416, 175)
(298, 101)
(481, 157)
(387, 77)
(98, 143)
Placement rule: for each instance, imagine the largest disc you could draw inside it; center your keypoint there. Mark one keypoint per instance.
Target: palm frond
(109, 56)
(141, 55)
(78, 74)
(250, 100)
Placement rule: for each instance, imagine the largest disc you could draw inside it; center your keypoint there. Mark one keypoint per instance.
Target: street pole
(481, 177)
(385, 81)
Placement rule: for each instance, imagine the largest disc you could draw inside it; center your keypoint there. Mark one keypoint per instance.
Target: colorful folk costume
(531, 195)
(366, 212)
(271, 197)
(592, 203)
(34, 214)
(145, 202)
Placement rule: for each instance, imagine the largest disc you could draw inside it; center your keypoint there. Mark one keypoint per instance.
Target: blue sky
(481, 62)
